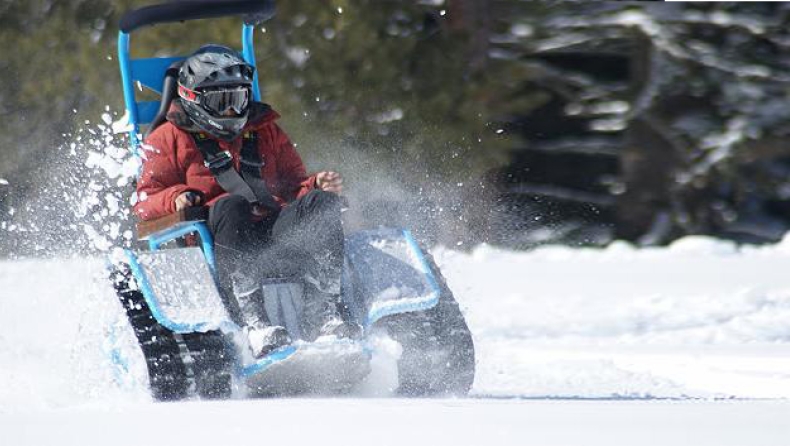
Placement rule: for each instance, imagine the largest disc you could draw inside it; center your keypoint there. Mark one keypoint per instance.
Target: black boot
(264, 339)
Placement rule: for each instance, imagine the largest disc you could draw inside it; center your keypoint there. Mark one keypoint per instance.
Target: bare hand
(329, 181)
(186, 200)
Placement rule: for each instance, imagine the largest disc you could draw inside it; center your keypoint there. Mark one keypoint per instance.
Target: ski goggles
(219, 101)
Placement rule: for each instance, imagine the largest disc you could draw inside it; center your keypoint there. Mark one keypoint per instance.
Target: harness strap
(249, 183)
(250, 165)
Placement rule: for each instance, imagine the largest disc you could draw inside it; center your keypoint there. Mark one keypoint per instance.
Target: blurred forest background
(515, 123)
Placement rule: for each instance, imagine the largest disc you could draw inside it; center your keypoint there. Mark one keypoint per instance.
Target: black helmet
(213, 82)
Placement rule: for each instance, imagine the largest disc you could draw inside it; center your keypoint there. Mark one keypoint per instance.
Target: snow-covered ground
(682, 345)
(699, 319)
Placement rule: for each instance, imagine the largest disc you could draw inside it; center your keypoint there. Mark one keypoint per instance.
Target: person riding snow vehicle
(269, 218)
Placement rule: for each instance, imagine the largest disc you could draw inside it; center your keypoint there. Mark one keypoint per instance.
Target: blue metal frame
(426, 303)
(128, 90)
(248, 51)
(266, 362)
(159, 238)
(153, 304)
(283, 353)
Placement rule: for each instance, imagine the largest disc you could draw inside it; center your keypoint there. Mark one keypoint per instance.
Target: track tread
(438, 350)
(178, 366)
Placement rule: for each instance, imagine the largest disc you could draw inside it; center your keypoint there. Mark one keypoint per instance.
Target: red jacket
(172, 164)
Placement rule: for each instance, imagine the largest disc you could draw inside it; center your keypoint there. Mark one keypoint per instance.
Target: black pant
(305, 237)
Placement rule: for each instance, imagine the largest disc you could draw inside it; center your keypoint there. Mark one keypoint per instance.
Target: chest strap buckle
(222, 159)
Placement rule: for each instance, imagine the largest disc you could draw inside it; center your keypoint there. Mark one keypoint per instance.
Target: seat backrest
(168, 92)
(151, 73)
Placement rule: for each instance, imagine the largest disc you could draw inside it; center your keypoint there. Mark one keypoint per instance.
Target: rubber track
(212, 364)
(438, 351)
(179, 366)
